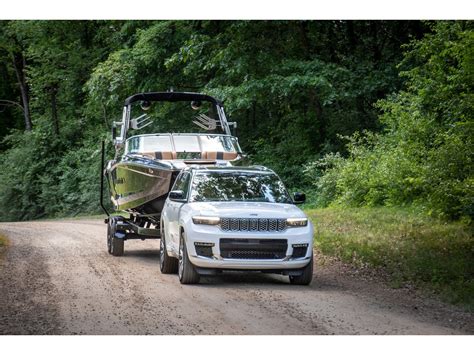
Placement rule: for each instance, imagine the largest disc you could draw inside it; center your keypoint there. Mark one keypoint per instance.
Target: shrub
(425, 154)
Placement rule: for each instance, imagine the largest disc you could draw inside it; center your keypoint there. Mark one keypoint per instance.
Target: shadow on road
(238, 278)
(261, 280)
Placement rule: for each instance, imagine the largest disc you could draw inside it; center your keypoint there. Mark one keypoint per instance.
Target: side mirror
(177, 195)
(299, 198)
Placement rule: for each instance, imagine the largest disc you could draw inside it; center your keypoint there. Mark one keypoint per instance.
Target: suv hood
(237, 209)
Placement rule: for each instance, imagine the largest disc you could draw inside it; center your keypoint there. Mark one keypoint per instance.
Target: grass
(3, 242)
(409, 246)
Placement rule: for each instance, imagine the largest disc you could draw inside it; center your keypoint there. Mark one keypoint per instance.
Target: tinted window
(238, 186)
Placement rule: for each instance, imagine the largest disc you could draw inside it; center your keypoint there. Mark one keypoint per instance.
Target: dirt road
(57, 278)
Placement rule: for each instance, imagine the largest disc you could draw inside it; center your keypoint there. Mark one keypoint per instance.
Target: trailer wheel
(111, 228)
(109, 238)
(115, 245)
(186, 272)
(306, 277)
(168, 264)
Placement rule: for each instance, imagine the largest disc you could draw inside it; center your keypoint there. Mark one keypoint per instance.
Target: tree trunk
(350, 34)
(303, 29)
(19, 65)
(316, 107)
(377, 53)
(331, 37)
(254, 112)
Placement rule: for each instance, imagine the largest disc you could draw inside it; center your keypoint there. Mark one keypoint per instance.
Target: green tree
(13, 52)
(292, 86)
(425, 154)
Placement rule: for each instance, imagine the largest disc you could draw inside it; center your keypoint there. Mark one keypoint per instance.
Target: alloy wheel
(180, 258)
(109, 243)
(162, 248)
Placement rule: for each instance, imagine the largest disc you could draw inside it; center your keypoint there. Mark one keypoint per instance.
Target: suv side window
(182, 183)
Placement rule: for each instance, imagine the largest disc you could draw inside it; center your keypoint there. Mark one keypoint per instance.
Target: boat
(146, 165)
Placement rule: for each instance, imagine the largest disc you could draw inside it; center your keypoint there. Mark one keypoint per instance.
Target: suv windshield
(238, 186)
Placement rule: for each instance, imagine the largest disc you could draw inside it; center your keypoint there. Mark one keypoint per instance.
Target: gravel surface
(56, 277)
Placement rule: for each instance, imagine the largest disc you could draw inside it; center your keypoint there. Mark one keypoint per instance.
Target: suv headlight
(297, 222)
(206, 220)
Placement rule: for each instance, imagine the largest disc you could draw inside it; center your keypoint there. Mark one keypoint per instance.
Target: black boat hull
(140, 185)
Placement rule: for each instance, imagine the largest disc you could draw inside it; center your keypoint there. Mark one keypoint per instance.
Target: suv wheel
(186, 272)
(168, 265)
(306, 277)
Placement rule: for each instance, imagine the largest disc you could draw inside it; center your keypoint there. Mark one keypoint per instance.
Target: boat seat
(219, 155)
(160, 155)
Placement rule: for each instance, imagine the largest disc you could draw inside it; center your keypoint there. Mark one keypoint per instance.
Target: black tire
(110, 233)
(306, 277)
(115, 246)
(186, 272)
(168, 264)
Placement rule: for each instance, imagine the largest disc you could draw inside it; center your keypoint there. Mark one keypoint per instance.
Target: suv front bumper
(249, 264)
(213, 234)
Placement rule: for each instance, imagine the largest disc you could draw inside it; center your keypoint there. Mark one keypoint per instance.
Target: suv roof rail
(260, 167)
(250, 167)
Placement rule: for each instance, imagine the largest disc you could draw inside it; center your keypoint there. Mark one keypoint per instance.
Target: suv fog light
(206, 220)
(299, 250)
(204, 249)
(301, 245)
(204, 244)
(297, 222)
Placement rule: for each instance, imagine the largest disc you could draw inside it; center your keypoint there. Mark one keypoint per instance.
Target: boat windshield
(182, 143)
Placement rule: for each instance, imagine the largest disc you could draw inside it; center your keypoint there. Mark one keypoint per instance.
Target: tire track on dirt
(57, 278)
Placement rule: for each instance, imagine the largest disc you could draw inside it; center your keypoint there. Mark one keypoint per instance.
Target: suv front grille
(236, 248)
(253, 224)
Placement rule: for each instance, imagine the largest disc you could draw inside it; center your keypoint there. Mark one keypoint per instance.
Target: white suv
(237, 218)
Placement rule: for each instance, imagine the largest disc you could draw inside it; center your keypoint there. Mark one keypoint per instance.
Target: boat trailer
(120, 228)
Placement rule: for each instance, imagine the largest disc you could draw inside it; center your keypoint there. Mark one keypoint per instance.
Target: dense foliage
(294, 87)
(424, 155)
